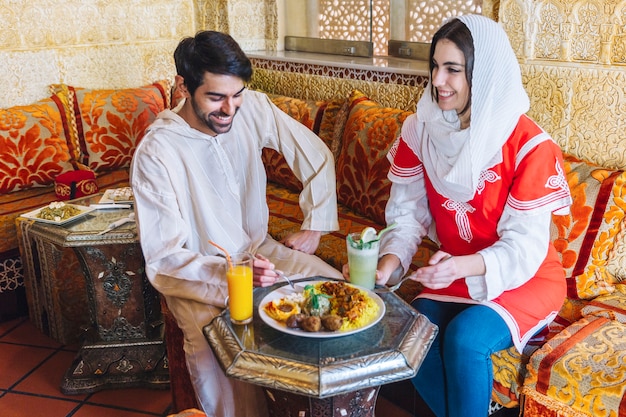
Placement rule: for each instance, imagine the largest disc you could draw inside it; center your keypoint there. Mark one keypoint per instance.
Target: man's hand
(264, 274)
(305, 241)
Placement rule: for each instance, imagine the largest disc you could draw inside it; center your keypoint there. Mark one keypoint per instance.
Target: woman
(471, 170)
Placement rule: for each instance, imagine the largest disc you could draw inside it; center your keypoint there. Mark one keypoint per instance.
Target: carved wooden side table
(79, 283)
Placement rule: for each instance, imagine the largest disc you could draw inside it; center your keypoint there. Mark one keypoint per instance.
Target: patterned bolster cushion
(579, 372)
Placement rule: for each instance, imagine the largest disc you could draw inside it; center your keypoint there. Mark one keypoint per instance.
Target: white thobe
(191, 188)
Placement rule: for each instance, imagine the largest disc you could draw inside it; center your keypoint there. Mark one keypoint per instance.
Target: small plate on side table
(84, 210)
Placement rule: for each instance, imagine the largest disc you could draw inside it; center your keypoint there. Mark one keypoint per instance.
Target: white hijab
(454, 158)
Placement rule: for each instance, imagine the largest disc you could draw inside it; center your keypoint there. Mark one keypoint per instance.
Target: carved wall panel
(321, 82)
(87, 43)
(572, 56)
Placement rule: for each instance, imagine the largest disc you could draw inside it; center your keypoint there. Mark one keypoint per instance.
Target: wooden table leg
(361, 403)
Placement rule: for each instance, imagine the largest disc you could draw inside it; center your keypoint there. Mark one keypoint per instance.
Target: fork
(281, 274)
(392, 288)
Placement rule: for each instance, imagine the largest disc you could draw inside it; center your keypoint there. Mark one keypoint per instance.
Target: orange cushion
(34, 147)
(362, 167)
(586, 237)
(107, 125)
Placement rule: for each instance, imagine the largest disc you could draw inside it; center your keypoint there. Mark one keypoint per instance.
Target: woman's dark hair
(213, 52)
(456, 32)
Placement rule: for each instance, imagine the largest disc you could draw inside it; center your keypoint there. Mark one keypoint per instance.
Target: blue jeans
(456, 377)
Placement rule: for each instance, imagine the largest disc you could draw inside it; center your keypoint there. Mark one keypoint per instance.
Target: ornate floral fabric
(362, 166)
(587, 236)
(107, 125)
(612, 306)
(579, 372)
(34, 146)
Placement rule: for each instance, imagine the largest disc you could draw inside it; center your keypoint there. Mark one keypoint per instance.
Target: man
(197, 176)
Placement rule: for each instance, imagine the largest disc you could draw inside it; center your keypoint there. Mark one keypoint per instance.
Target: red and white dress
(506, 221)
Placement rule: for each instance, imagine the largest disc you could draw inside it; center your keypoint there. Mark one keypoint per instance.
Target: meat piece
(294, 321)
(332, 322)
(311, 324)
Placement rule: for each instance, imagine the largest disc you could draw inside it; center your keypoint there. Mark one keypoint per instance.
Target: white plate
(107, 198)
(286, 290)
(84, 210)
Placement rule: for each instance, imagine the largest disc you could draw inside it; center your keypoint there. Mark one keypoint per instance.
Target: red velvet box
(75, 184)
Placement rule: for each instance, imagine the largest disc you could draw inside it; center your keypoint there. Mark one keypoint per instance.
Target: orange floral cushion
(587, 236)
(319, 116)
(362, 167)
(107, 125)
(34, 147)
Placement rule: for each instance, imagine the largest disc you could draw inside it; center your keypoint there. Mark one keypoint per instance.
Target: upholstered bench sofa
(84, 131)
(578, 364)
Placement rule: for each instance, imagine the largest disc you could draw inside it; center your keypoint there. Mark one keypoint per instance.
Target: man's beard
(208, 122)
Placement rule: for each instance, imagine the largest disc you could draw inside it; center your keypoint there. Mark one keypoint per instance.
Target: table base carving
(117, 365)
(361, 403)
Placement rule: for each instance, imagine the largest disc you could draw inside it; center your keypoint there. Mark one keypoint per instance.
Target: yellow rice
(367, 313)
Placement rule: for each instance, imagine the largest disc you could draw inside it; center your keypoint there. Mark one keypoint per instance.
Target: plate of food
(123, 195)
(321, 309)
(58, 213)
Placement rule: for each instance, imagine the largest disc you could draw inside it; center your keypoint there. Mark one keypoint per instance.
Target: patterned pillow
(319, 116)
(107, 125)
(579, 372)
(585, 238)
(612, 306)
(34, 146)
(362, 167)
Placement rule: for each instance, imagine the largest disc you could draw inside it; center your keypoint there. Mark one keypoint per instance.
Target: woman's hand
(386, 266)
(264, 274)
(440, 272)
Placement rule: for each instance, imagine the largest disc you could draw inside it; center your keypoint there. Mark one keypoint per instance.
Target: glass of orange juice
(239, 277)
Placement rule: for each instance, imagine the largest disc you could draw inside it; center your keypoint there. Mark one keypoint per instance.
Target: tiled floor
(32, 367)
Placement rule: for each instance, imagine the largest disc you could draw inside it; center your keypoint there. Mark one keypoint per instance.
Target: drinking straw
(230, 263)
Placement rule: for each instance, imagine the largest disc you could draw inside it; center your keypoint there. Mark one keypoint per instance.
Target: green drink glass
(362, 260)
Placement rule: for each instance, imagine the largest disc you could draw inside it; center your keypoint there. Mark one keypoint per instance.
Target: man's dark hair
(459, 34)
(210, 51)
